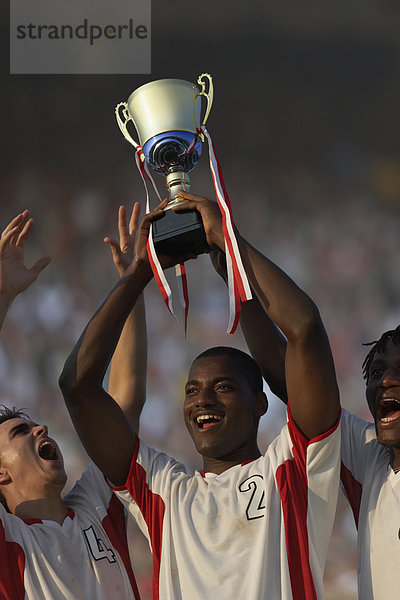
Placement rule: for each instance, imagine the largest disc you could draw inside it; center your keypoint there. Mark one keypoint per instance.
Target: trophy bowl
(167, 115)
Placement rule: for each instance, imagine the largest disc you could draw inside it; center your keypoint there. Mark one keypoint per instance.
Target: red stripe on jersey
(353, 490)
(294, 497)
(12, 565)
(291, 478)
(152, 508)
(115, 526)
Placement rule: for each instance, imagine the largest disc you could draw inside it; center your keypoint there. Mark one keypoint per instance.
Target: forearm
(286, 304)
(88, 361)
(266, 344)
(127, 380)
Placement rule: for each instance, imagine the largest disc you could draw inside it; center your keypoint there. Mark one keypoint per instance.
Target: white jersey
(258, 531)
(373, 490)
(85, 558)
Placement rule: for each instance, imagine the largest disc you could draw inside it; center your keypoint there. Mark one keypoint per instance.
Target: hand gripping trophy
(167, 117)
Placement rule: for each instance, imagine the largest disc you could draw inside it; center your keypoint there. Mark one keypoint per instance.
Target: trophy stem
(177, 180)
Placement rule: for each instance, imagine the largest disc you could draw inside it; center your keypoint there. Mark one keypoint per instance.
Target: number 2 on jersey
(256, 507)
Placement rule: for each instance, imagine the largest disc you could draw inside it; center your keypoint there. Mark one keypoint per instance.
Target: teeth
(201, 418)
(384, 400)
(47, 450)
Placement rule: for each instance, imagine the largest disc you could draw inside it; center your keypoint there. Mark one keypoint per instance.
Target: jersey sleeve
(91, 490)
(358, 453)
(307, 478)
(147, 489)
(358, 444)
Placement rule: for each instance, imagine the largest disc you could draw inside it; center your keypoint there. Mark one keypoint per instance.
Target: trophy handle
(209, 95)
(122, 123)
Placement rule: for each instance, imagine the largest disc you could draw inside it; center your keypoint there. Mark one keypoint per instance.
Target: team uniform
(259, 530)
(373, 490)
(85, 558)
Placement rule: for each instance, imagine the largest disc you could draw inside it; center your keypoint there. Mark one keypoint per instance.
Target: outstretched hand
(122, 251)
(15, 277)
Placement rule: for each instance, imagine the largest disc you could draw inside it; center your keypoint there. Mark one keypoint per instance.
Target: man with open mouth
(55, 548)
(249, 526)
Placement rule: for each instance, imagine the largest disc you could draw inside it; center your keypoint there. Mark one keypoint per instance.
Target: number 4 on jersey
(97, 547)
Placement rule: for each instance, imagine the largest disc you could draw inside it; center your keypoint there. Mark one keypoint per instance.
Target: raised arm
(310, 374)
(100, 423)
(127, 379)
(266, 343)
(15, 277)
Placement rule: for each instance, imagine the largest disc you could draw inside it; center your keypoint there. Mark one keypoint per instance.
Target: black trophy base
(177, 233)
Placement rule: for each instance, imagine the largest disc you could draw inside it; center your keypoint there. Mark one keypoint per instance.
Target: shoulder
(352, 426)
(91, 488)
(155, 460)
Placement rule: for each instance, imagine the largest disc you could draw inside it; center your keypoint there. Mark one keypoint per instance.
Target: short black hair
(247, 365)
(5, 415)
(379, 347)
(11, 413)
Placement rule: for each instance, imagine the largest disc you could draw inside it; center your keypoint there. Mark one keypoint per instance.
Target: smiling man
(55, 548)
(249, 526)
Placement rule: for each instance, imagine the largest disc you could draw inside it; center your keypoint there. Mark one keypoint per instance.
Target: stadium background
(305, 122)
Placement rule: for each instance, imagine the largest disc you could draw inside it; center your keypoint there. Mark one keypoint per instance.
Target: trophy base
(175, 233)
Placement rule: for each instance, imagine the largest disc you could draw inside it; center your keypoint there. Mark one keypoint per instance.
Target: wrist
(139, 270)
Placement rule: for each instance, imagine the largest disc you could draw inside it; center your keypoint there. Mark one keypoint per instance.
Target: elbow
(73, 387)
(77, 382)
(67, 381)
(307, 324)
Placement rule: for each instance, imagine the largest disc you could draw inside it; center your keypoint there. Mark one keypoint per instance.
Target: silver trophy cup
(167, 116)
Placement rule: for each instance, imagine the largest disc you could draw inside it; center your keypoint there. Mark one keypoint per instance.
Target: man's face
(221, 412)
(383, 394)
(30, 461)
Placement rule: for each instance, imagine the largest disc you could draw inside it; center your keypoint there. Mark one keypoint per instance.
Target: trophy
(167, 116)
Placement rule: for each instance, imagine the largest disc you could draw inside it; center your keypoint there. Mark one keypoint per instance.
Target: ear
(260, 405)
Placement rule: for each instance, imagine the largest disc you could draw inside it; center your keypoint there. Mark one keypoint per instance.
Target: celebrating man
(250, 525)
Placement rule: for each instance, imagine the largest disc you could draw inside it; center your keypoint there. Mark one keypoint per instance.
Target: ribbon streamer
(238, 285)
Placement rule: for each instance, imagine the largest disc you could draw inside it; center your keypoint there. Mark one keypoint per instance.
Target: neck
(41, 508)
(219, 465)
(395, 458)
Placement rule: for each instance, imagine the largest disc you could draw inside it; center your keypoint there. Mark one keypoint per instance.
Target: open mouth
(388, 410)
(47, 450)
(207, 421)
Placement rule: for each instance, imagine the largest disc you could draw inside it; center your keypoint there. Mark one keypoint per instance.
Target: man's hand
(122, 252)
(210, 215)
(142, 235)
(15, 277)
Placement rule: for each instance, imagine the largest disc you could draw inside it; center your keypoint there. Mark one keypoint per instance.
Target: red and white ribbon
(238, 285)
(158, 273)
